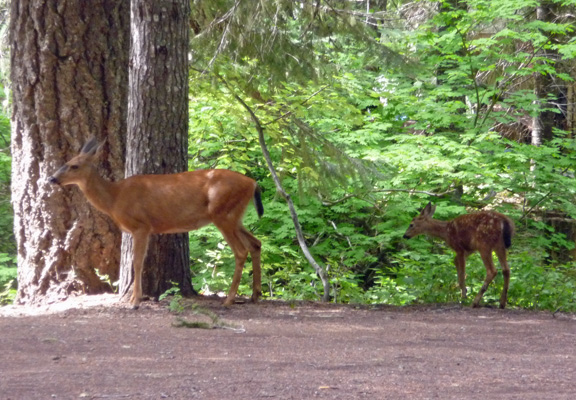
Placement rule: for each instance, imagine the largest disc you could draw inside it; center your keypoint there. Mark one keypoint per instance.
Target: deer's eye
(74, 167)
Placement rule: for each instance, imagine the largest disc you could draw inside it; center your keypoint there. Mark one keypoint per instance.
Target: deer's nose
(54, 180)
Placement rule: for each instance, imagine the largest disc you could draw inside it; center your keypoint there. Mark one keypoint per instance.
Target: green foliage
(366, 123)
(540, 286)
(7, 241)
(176, 305)
(7, 244)
(106, 279)
(277, 38)
(8, 274)
(8, 294)
(374, 135)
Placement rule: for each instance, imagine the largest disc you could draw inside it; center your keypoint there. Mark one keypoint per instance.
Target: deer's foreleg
(460, 262)
(140, 247)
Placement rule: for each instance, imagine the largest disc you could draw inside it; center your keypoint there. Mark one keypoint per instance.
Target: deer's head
(420, 223)
(78, 168)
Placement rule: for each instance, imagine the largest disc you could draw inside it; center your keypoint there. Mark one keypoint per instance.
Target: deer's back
(485, 229)
(181, 202)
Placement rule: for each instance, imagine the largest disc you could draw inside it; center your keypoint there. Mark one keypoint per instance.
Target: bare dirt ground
(96, 348)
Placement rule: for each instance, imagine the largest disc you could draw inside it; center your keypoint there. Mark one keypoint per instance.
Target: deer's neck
(438, 229)
(99, 192)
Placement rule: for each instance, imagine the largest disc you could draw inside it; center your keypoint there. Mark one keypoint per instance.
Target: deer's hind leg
(501, 253)
(254, 247)
(233, 236)
(490, 275)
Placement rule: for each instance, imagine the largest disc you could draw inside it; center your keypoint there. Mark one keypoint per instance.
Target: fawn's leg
(490, 275)
(501, 253)
(460, 262)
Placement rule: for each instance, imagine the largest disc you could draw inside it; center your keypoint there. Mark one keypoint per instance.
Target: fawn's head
(78, 168)
(420, 223)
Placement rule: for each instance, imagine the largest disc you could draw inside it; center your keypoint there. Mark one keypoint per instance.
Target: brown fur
(485, 232)
(149, 204)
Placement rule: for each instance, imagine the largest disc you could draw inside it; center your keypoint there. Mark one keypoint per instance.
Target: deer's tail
(258, 201)
(508, 232)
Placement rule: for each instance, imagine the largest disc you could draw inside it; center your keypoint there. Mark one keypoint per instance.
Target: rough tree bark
(158, 129)
(69, 71)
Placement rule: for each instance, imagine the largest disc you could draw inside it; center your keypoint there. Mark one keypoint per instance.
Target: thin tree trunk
(571, 103)
(158, 129)
(69, 65)
(544, 122)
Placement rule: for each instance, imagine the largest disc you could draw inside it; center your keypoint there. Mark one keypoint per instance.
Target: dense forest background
(371, 109)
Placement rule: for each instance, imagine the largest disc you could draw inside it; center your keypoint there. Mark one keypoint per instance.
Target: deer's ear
(425, 210)
(91, 147)
(428, 211)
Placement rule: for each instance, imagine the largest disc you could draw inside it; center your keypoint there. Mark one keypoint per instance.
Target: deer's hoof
(135, 303)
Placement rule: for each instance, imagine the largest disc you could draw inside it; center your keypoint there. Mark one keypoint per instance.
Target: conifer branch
(286, 114)
(411, 191)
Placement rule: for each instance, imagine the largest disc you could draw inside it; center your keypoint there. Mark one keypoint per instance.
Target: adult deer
(484, 231)
(172, 203)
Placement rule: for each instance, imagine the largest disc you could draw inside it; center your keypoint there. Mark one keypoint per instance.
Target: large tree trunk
(69, 66)
(158, 129)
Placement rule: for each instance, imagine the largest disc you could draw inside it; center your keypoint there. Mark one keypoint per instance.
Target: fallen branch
(216, 322)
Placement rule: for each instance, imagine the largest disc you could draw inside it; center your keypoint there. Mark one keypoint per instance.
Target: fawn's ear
(429, 210)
